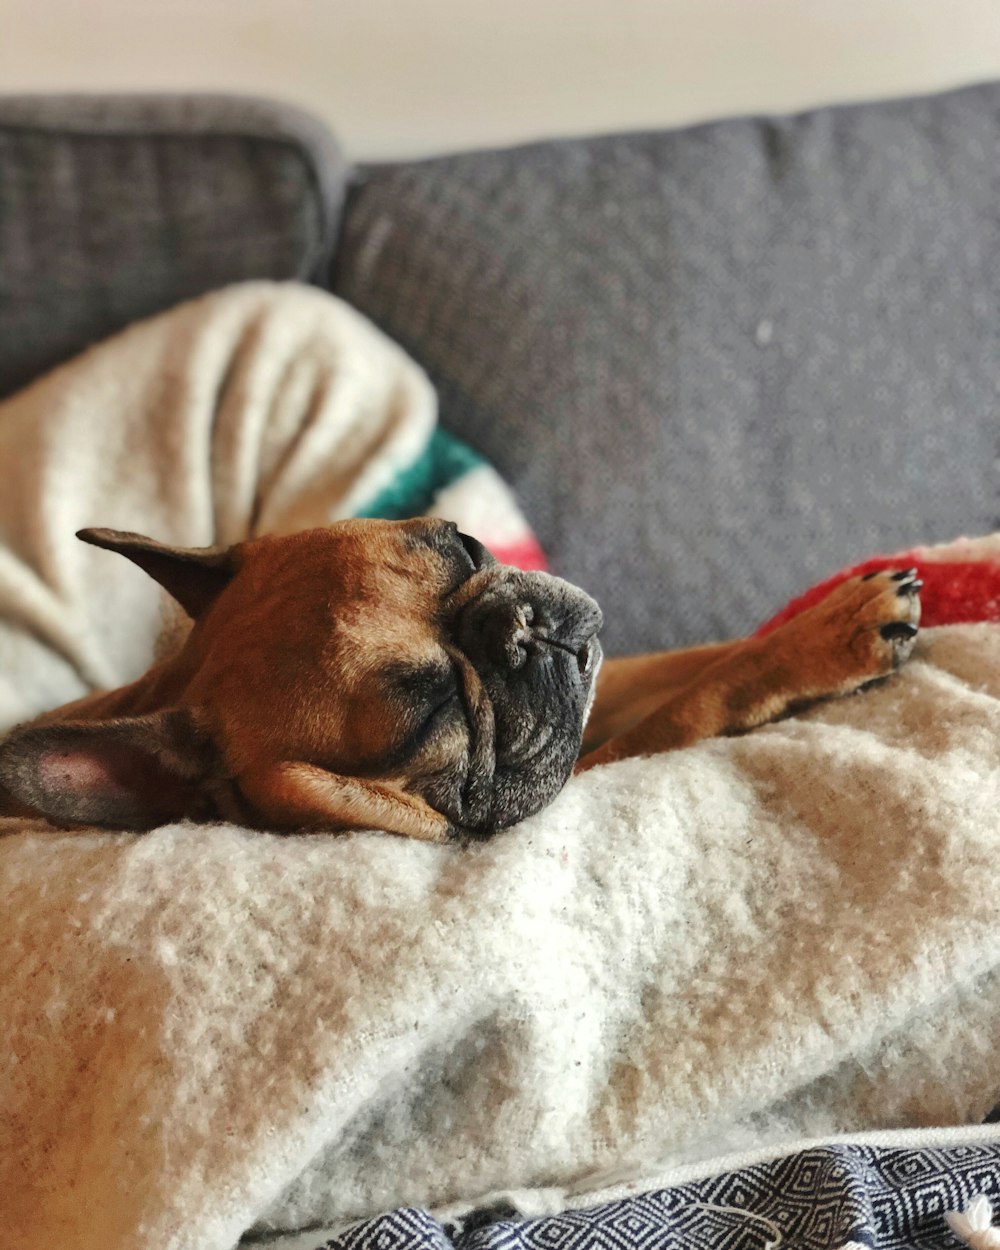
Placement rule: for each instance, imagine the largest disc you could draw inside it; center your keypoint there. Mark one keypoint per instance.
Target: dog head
(371, 674)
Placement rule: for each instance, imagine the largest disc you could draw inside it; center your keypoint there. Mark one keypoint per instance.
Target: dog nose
(523, 614)
(504, 634)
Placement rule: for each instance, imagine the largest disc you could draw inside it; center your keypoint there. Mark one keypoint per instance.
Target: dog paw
(866, 627)
(900, 601)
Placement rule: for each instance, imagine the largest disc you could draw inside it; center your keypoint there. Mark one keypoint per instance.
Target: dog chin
(537, 730)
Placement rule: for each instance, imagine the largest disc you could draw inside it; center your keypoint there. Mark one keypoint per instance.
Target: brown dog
(393, 675)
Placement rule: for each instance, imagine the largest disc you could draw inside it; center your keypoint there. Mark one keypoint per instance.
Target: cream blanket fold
(204, 1029)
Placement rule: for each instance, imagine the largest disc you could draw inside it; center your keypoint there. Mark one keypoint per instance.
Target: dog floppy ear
(127, 773)
(193, 575)
(302, 796)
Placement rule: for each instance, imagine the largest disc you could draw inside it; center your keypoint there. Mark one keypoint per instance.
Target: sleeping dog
(392, 675)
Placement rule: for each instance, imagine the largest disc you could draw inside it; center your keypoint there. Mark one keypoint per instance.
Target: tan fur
(659, 702)
(302, 605)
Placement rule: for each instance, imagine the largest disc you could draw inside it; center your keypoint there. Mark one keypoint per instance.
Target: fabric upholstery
(116, 207)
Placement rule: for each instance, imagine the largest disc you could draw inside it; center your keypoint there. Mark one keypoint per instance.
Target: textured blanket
(207, 1029)
(929, 1190)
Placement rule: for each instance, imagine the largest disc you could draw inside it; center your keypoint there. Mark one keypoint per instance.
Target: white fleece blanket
(206, 1029)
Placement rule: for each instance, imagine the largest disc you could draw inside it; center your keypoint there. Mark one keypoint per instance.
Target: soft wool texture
(206, 1029)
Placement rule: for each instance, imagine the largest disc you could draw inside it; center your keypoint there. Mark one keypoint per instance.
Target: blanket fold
(206, 1030)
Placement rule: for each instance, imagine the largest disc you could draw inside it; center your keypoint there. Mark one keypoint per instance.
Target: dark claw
(898, 629)
(868, 576)
(910, 588)
(898, 577)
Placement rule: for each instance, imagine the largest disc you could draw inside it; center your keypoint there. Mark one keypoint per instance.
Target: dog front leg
(631, 687)
(862, 631)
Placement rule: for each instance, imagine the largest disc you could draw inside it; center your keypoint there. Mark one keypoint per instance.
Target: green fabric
(444, 460)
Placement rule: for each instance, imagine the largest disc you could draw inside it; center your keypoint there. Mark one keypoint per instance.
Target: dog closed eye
(427, 705)
(424, 690)
(463, 554)
(476, 552)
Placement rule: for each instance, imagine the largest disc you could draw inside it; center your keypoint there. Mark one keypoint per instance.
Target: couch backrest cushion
(717, 363)
(115, 207)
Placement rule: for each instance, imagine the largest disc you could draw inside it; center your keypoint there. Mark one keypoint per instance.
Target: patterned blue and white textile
(838, 1196)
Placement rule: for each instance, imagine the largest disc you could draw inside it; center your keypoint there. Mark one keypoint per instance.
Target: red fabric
(524, 554)
(953, 593)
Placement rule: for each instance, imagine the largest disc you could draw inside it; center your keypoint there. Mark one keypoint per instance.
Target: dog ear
(193, 575)
(302, 796)
(127, 773)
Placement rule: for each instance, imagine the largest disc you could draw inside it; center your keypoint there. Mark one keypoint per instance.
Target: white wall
(403, 77)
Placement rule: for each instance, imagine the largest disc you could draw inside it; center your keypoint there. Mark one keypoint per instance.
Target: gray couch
(715, 363)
